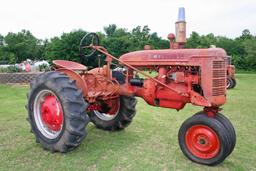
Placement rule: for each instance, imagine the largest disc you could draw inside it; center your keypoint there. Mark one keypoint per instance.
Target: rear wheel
(204, 140)
(234, 83)
(230, 83)
(113, 115)
(56, 111)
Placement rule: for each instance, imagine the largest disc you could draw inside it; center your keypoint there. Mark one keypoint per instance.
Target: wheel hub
(51, 111)
(107, 110)
(202, 141)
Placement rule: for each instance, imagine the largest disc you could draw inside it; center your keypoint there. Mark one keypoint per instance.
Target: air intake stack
(180, 28)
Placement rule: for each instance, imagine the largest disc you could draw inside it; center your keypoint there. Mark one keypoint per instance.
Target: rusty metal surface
(100, 88)
(95, 86)
(75, 76)
(69, 65)
(170, 56)
(180, 28)
(178, 70)
(205, 59)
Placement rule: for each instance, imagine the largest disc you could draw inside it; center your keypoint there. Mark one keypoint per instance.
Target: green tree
(23, 44)
(193, 41)
(1, 49)
(197, 41)
(1, 40)
(207, 40)
(117, 40)
(250, 48)
(246, 34)
(110, 29)
(65, 47)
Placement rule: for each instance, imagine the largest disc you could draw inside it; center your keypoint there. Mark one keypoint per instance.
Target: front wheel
(204, 140)
(113, 114)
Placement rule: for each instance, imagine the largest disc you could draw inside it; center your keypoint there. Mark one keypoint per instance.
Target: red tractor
(62, 102)
(231, 70)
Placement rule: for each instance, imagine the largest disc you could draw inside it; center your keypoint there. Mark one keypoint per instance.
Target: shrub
(44, 68)
(10, 69)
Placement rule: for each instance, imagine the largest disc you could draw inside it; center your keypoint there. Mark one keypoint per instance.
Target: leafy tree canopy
(16, 47)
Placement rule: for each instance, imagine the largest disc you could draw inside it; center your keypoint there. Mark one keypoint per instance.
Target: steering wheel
(85, 49)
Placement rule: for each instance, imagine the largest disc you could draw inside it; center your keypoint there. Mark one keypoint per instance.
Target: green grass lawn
(149, 143)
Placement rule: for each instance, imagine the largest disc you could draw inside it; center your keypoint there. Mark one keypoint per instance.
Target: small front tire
(204, 140)
(230, 130)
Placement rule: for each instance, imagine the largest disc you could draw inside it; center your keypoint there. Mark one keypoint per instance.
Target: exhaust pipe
(180, 28)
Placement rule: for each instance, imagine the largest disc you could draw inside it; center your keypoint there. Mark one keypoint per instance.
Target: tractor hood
(163, 57)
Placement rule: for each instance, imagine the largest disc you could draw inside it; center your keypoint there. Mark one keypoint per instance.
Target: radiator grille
(218, 64)
(218, 74)
(219, 78)
(218, 82)
(218, 91)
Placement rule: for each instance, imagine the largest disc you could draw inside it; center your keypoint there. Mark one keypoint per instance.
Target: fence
(17, 77)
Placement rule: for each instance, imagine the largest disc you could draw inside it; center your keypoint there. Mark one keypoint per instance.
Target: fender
(75, 76)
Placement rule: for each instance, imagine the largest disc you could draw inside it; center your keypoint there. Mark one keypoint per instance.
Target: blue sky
(48, 18)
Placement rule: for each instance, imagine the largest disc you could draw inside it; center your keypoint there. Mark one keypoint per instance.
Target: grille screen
(228, 60)
(219, 78)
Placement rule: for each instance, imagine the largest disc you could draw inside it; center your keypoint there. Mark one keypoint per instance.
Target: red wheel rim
(48, 114)
(113, 105)
(51, 113)
(202, 141)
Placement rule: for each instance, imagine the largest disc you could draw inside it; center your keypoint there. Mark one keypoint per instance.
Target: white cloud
(48, 18)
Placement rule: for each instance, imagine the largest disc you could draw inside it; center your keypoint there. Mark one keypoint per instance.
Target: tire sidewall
(230, 130)
(231, 83)
(234, 82)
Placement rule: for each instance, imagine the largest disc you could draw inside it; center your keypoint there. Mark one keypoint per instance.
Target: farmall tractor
(63, 101)
(231, 70)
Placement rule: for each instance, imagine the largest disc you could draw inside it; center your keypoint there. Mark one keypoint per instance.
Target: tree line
(17, 47)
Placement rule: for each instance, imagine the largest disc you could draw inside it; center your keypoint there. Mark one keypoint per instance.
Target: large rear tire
(204, 140)
(234, 83)
(57, 112)
(118, 120)
(230, 82)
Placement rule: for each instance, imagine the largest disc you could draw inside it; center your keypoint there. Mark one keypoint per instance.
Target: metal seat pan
(69, 65)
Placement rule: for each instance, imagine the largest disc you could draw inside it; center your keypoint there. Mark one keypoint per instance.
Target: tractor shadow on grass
(99, 142)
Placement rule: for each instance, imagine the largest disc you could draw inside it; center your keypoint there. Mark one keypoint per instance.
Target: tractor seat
(69, 65)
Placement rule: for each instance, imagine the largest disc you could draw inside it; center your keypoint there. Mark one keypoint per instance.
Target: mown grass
(149, 143)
